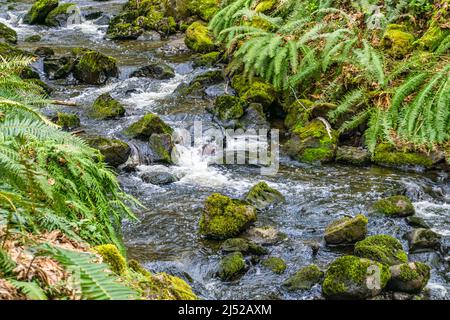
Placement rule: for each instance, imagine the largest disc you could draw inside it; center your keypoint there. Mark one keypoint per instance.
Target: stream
(166, 236)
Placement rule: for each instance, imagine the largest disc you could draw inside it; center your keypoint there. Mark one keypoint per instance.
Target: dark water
(166, 239)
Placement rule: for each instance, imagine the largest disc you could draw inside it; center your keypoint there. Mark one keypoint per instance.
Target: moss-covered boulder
(115, 152)
(242, 245)
(409, 277)
(438, 28)
(207, 59)
(29, 73)
(228, 107)
(106, 107)
(204, 9)
(39, 11)
(231, 266)
(92, 67)
(198, 38)
(397, 41)
(7, 34)
(276, 264)
(33, 38)
(209, 78)
(297, 113)
(304, 278)
(161, 145)
(44, 52)
(224, 217)
(111, 255)
(67, 120)
(119, 29)
(395, 206)
(58, 67)
(162, 286)
(314, 142)
(146, 126)
(386, 155)
(257, 90)
(417, 222)
(155, 70)
(59, 16)
(254, 118)
(382, 248)
(422, 239)
(351, 277)
(261, 196)
(352, 155)
(346, 230)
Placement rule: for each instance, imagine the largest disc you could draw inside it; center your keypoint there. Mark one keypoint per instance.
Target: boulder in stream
(39, 11)
(7, 34)
(242, 245)
(224, 217)
(257, 90)
(161, 145)
(231, 266)
(106, 107)
(67, 121)
(60, 16)
(395, 206)
(155, 70)
(409, 277)
(207, 59)
(275, 264)
(146, 126)
(304, 278)
(198, 38)
(92, 67)
(115, 152)
(228, 107)
(254, 118)
(352, 155)
(381, 248)
(421, 239)
(158, 177)
(346, 230)
(261, 196)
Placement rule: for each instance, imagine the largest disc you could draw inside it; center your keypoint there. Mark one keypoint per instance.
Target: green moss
(231, 266)
(304, 278)
(62, 9)
(137, 267)
(260, 92)
(298, 113)
(207, 59)
(92, 67)
(8, 51)
(397, 42)
(277, 265)
(115, 152)
(146, 126)
(395, 206)
(265, 6)
(126, 26)
(346, 230)
(261, 195)
(409, 277)
(224, 217)
(33, 38)
(243, 246)
(204, 9)
(381, 248)
(105, 107)
(346, 278)
(385, 154)
(228, 107)
(209, 78)
(198, 38)
(161, 144)
(112, 257)
(39, 11)
(67, 121)
(8, 34)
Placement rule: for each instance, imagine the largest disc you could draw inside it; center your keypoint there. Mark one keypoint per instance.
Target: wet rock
(409, 277)
(58, 67)
(198, 38)
(155, 70)
(352, 155)
(7, 34)
(207, 59)
(423, 240)
(158, 177)
(297, 113)
(175, 47)
(116, 152)
(204, 9)
(224, 217)
(67, 121)
(209, 78)
(261, 196)
(59, 16)
(312, 143)
(228, 107)
(257, 90)
(351, 277)
(417, 222)
(92, 15)
(193, 90)
(386, 155)
(231, 266)
(381, 248)
(120, 29)
(266, 235)
(276, 264)
(304, 279)
(346, 230)
(39, 11)
(254, 118)
(395, 206)
(146, 126)
(106, 107)
(103, 20)
(397, 41)
(44, 51)
(242, 245)
(161, 145)
(92, 67)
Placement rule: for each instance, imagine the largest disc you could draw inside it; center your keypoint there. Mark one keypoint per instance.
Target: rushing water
(166, 239)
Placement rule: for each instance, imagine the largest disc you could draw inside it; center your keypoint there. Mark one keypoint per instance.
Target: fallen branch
(64, 103)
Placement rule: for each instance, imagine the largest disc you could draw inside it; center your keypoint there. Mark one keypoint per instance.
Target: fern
(7, 265)
(31, 289)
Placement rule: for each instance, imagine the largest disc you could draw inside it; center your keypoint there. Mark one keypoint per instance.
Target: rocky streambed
(312, 217)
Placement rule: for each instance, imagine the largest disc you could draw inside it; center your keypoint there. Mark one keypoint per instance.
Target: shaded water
(166, 239)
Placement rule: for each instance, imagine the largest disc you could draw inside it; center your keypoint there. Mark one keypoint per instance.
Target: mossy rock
(266, 6)
(93, 67)
(397, 42)
(155, 70)
(395, 206)
(381, 248)
(67, 120)
(161, 145)
(304, 278)
(352, 155)
(39, 11)
(386, 155)
(146, 126)
(7, 34)
(106, 107)
(433, 37)
(409, 277)
(297, 113)
(231, 266)
(351, 277)
(198, 38)
(346, 230)
(224, 217)
(115, 152)
(228, 107)
(242, 245)
(58, 67)
(33, 38)
(422, 239)
(162, 286)
(29, 73)
(312, 143)
(204, 9)
(137, 267)
(207, 59)
(261, 196)
(417, 222)
(209, 78)
(44, 52)
(59, 16)
(276, 264)
(260, 92)
(111, 255)
(119, 30)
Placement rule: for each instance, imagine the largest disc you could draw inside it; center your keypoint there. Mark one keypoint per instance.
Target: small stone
(231, 266)
(417, 222)
(382, 248)
(409, 277)
(261, 196)
(158, 178)
(423, 240)
(304, 278)
(352, 155)
(395, 206)
(346, 230)
(242, 245)
(276, 264)
(156, 70)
